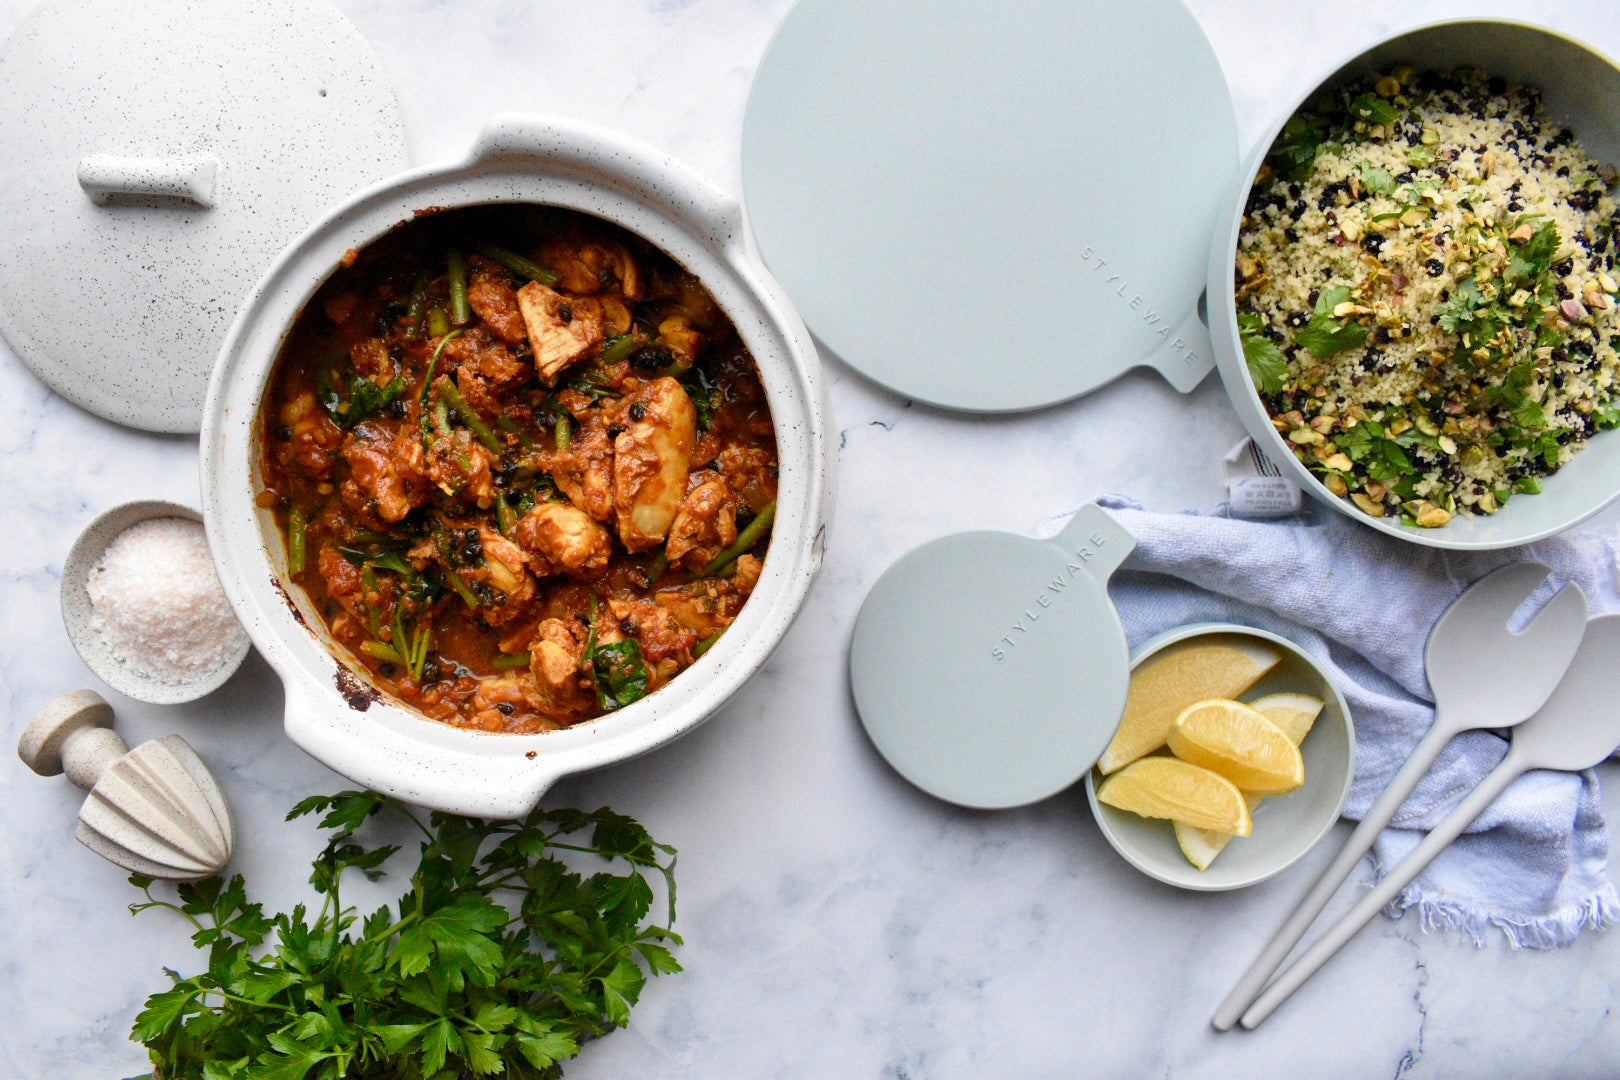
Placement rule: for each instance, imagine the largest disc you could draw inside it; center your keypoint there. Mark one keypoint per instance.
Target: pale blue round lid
(993, 207)
(990, 669)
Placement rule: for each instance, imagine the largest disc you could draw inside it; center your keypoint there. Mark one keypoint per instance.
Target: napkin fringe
(1597, 912)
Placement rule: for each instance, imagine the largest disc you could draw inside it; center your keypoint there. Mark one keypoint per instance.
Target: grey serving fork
(1469, 651)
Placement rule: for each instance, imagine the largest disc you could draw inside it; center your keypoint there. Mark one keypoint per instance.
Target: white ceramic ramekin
(331, 710)
(1580, 88)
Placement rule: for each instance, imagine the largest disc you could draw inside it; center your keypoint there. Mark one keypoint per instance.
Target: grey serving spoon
(1576, 729)
(1469, 649)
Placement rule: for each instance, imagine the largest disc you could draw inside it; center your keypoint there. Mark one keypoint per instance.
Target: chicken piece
(562, 691)
(751, 472)
(747, 575)
(562, 538)
(616, 318)
(494, 300)
(370, 358)
(705, 523)
(458, 465)
(651, 460)
(659, 634)
(508, 586)
(343, 581)
(561, 329)
(704, 607)
(387, 473)
(676, 334)
(308, 435)
(584, 471)
(589, 268)
(485, 368)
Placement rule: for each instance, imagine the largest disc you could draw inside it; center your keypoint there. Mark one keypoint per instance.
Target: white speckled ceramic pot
(1580, 88)
(331, 710)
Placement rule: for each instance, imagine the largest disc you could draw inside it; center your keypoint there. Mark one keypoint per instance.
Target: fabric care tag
(1255, 487)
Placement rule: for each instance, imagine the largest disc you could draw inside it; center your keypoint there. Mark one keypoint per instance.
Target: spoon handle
(1306, 911)
(1386, 890)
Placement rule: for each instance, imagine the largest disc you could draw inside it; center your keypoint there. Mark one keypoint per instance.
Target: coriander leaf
(1373, 109)
(1297, 147)
(620, 674)
(1266, 364)
(1420, 156)
(1375, 179)
(1325, 335)
(660, 959)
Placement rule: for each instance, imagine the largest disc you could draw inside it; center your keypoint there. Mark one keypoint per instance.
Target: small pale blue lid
(990, 669)
(993, 207)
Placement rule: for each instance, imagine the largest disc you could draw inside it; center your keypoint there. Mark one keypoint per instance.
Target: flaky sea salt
(158, 605)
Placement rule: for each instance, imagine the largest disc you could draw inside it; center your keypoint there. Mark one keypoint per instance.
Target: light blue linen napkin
(1362, 604)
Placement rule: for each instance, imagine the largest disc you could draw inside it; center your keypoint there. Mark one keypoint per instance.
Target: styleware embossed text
(1053, 589)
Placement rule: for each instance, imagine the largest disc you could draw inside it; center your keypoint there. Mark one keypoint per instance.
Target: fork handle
(1305, 912)
(1387, 889)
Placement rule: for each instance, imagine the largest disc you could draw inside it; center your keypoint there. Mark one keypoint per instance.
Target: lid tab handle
(1093, 539)
(112, 178)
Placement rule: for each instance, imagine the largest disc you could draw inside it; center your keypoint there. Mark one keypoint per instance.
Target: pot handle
(496, 780)
(1096, 541)
(1185, 353)
(190, 178)
(580, 148)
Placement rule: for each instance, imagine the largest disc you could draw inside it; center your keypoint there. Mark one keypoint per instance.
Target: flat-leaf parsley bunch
(500, 960)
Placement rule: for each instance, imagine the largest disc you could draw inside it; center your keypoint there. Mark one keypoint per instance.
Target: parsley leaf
(1266, 364)
(1326, 336)
(446, 981)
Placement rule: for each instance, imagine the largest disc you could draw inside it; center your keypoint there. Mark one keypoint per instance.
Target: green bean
(504, 517)
(297, 544)
(656, 568)
(438, 322)
(706, 644)
(507, 424)
(419, 648)
(383, 651)
(441, 416)
(460, 313)
(617, 348)
(514, 262)
(450, 575)
(451, 393)
(564, 431)
(427, 380)
(416, 310)
(745, 540)
(507, 662)
(402, 641)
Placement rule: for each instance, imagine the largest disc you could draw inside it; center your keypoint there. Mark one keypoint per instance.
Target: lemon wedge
(1234, 740)
(1294, 715)
(1163, 684)
(1163, 787)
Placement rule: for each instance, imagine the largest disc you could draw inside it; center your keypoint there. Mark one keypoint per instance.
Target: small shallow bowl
(1581, 88)
(1285, 826)
(76, 609)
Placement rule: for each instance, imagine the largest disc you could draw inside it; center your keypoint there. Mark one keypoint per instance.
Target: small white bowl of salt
(144, 608)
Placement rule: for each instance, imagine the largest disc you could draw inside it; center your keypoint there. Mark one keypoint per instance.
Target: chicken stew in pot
(522, 463)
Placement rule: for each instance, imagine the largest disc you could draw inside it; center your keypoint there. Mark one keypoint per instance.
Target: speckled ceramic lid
(154, 158)
(993, 207)
(990, 669)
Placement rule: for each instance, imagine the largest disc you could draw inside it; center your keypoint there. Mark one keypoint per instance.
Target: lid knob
(155, 810)
(109, 178)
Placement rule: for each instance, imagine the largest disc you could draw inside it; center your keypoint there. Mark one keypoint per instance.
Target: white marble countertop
(838, 923)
